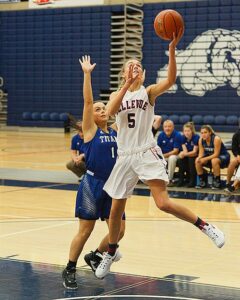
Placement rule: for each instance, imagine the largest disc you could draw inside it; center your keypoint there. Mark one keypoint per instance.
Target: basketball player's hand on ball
(176, 39)
(86, 65)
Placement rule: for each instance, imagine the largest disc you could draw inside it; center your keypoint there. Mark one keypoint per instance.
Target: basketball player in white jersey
(139, 156)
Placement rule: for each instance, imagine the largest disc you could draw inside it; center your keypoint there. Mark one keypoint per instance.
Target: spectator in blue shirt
(186, 158)
(77, 163)
(170, 141)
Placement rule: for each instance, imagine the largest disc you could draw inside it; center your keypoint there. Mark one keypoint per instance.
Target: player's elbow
(171, 81)
(111, 111)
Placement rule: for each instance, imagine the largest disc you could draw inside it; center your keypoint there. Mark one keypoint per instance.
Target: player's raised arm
(88, 125)
(156, 90)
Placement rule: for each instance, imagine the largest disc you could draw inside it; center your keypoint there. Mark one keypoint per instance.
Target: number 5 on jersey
(131, 120)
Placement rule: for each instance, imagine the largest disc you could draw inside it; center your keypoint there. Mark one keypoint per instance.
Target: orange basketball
(167, 22)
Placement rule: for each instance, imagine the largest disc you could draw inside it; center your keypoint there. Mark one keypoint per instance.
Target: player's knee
(215, 162)
(197, 163)
(234, 163)
(116, 211)
(86, 232)
(115, 214)
(164, 206)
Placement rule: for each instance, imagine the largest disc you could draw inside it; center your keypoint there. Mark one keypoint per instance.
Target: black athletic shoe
(69, 279)
(202, 184)
(93, 259)
(216, 184)
(229, 188)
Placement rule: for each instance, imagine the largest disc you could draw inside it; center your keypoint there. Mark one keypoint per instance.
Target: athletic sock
(112, 249)
(200, 223)
(71, 265)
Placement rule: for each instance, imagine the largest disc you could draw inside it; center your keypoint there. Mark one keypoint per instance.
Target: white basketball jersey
(134, 120)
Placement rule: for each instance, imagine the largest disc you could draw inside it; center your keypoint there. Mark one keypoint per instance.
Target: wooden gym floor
(163, 257)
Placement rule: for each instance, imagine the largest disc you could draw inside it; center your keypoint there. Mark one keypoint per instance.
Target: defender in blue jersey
(100, 155)
(92, 202)
(212, 154)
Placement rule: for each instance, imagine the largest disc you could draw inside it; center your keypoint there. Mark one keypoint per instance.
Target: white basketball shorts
(145, 165)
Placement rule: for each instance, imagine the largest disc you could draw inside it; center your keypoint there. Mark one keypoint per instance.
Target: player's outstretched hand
(86, 65)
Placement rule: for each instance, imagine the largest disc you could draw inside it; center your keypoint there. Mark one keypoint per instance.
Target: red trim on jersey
(154, 153)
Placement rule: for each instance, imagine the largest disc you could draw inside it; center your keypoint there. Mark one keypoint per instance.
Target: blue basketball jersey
(77, 144)
(101, 153)
(190, 143)
(209, 149)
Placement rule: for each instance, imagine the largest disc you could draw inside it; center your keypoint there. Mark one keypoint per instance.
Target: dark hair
(75, 123)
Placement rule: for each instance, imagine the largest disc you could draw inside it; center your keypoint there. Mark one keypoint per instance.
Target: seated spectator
(235, 162)
(186, 158)
(170, 141)
(212, 154)
(156, 124)
(77, 163)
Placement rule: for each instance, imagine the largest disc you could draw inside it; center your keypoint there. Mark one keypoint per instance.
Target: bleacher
(219, 107)
(39, 61)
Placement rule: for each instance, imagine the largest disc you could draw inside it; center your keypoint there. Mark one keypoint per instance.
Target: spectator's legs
(216, 172)
(191, 171)
(182, 164)
(216, 166)
(231, 168)
(200, 172)
(172, 162)
(199, 168)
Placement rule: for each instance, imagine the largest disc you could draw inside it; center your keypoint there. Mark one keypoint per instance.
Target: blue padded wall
(199, 16)
(39, 57)
(40, 50)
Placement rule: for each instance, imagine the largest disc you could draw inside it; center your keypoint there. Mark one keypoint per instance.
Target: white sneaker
(215, 234)
(118, 256)
(104, 267)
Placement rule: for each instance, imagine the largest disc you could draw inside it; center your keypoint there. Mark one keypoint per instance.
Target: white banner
(62, 3)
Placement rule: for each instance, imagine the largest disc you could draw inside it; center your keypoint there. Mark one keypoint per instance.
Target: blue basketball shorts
(92, 201)
(224, 161)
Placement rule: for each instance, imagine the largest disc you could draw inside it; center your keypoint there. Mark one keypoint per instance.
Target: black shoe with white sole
(93, 259)
(69, 279)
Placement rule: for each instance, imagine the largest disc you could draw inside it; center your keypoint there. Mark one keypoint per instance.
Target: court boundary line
(36, 187)
(84, 267)
(129, 296)
(146, 188)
